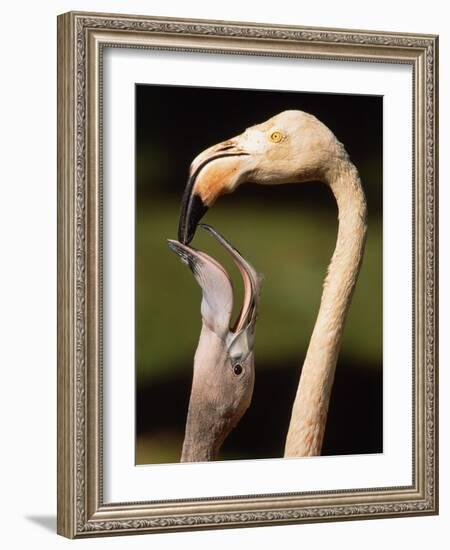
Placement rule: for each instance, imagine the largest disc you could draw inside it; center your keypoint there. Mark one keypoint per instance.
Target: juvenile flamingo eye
(237, 369)
(276, 136)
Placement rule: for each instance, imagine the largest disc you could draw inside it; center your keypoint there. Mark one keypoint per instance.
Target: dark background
(288, 233)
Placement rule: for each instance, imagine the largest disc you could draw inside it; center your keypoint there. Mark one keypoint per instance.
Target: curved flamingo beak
(210, 174)
(216, 285)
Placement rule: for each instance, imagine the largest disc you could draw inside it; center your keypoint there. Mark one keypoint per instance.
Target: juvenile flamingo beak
(200, 193)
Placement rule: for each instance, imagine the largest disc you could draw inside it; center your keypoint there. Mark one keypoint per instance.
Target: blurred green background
(288, 233)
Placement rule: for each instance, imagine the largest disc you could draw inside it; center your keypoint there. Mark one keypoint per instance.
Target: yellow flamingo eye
(276, 136)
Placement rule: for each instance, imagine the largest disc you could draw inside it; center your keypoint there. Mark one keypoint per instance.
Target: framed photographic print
(247, 278)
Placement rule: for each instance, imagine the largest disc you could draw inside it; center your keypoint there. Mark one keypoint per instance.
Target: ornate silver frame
(81, 39)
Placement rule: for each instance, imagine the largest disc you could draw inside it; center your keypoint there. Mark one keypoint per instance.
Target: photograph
(268, 342)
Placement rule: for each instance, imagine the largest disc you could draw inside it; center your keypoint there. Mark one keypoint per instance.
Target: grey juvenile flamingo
(223, 378)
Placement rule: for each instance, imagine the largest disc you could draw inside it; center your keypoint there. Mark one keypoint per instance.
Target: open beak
(216, 284)
(201, 192)
(250, 278)
(217, 291)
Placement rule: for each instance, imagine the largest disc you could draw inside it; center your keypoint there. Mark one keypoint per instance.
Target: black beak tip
(190, 218)
(176, 247)
(185, 253)
(172, 244)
